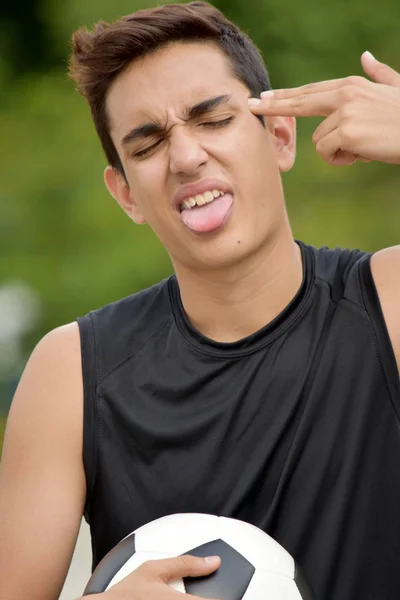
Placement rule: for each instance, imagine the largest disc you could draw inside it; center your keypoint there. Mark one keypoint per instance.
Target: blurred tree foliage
(60, 231)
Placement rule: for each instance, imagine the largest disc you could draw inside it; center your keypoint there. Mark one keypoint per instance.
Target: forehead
(168, 81)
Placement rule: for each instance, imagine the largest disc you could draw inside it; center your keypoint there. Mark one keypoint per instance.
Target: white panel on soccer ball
(265, 585)
(133, 563)
(176, 534)
(178, 585)
(260, 550)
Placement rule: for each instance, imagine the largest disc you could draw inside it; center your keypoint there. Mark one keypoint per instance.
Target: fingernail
(254, 101)
(267, 94)
(211, 559)
(369, 54)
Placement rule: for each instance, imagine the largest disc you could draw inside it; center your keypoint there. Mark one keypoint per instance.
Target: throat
(228, 313)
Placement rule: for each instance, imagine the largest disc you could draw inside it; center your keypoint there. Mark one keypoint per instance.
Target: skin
(42, 483)
(229, 290)
(43, 463)
(252, 265)
(362, 123)
(362, 117)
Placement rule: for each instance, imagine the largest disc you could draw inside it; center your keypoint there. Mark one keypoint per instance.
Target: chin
(224, 254)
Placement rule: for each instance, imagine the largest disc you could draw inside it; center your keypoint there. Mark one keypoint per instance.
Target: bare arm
(42, 485)
(42, 482)
(385, 266)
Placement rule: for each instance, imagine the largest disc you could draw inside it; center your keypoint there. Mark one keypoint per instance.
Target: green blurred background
(65, 245)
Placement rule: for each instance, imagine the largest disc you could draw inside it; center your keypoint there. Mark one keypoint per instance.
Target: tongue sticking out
(209, 216)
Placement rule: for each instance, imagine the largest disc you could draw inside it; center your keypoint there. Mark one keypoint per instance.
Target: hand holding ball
(253, 565)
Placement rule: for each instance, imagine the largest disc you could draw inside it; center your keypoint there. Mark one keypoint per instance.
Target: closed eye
(208, 125)
(145, 151)
(220, 123)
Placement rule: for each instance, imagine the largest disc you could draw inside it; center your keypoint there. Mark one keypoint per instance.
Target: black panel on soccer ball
(110, 565)
(230, 581)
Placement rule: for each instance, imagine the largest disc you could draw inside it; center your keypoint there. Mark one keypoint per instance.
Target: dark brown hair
(100, 55)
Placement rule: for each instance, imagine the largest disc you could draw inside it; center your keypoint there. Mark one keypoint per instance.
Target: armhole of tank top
(89, 375)
(386, 356)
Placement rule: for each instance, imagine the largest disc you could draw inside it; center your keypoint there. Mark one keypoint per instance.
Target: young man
(259, 382)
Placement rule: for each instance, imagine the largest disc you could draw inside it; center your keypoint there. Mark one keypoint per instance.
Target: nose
(186, 155)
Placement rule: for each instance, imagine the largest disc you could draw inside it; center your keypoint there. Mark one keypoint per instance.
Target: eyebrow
(194, 112)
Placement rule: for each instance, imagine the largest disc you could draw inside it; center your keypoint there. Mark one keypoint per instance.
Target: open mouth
(200, 199)
(206, 212)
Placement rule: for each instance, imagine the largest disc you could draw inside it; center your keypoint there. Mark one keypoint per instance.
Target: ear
(283, 129)
(120, 190)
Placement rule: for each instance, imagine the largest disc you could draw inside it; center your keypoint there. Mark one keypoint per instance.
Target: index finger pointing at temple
(310, 88)
(305, 105)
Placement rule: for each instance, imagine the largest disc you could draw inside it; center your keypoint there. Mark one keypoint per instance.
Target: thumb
(187, 566)
(378, 71)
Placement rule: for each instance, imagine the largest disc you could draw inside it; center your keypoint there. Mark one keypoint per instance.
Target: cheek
(148, 187)
(256, 158)
(253, 140)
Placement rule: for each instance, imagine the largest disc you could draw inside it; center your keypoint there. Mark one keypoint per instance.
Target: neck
(231, 304)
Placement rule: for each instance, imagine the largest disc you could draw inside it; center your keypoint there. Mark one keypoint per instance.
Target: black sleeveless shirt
(295, 428)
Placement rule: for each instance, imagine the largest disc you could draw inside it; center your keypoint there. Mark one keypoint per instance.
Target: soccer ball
(253, 565)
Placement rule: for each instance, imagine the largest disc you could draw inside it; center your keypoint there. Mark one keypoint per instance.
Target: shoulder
(147, 300)
(331, 260)
(52, 379)
(57, 352)
(117, 331)
(57, 355)
(355, 272)
(336, 268)
(60, 343)
(385, 268)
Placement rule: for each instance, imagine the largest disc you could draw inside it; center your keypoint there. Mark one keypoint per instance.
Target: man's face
(181, 124)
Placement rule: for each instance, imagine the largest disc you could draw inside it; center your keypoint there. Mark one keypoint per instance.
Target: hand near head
(363, 117)
(151, 579)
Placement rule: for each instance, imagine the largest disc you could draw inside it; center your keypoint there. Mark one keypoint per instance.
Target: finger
(184, 566)
(315, 88)
(312, 105)
(330, 149)
(304, 90)
(326, 127)
(378, 71)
